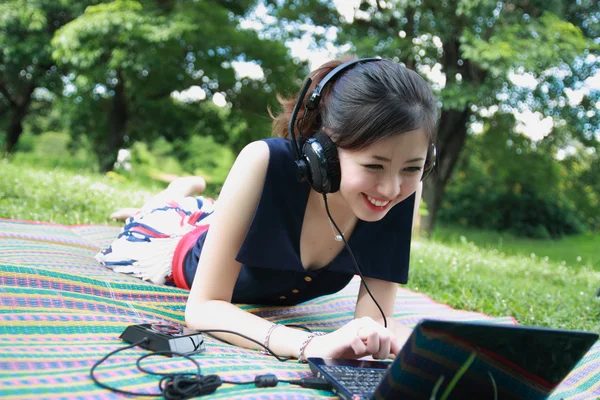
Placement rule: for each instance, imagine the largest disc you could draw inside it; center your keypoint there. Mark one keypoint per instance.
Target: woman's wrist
(302, 357)
(313, 347)
(286, 342)
(266, 348)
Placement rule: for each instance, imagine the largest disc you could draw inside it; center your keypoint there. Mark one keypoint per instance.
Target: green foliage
(121, 61)
(26, 28)
(204, 157)
(504, 183)
(480, 46)
(518, 45)
(141, 155)
(127, 57)
(582, 184)
(521, 211)
(55, 150)
(199, 155)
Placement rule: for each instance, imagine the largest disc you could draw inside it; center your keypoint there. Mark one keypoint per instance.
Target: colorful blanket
(60, 312)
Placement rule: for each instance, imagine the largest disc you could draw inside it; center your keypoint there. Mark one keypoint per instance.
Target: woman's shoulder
(279, 147)
(273, 147)
(275, 152)
(253, 150)
(272, 158)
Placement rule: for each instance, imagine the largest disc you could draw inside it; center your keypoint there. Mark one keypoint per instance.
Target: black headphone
(318, 162)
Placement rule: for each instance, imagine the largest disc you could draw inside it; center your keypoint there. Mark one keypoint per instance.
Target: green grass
(63, 196)
(545, 283)
(532, 290)
(575, 251)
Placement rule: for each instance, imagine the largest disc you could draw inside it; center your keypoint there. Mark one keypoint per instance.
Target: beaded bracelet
(266, 342)
(305, 343)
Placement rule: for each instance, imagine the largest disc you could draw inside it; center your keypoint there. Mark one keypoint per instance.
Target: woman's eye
(413, 169)
(373, 166)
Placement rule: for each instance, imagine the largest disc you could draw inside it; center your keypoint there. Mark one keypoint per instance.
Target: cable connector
(315, 383)
(267, 380)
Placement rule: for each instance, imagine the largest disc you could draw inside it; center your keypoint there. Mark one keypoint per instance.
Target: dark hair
(368, 103)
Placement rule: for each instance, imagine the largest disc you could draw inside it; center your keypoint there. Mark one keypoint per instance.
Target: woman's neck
(338, 207)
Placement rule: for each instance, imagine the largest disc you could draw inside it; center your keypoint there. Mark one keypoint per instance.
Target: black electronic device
(165, 338)
(483, 359)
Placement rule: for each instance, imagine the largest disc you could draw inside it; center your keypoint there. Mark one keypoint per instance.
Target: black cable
(271, 380)
(304, 328)
(164, 390)
(97, 364)
(184, 385)
(210, 331)
(362, 278)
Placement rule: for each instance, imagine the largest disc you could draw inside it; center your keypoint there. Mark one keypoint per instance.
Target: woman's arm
(209, 302)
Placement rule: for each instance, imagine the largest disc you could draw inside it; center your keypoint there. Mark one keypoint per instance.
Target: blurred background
(149, 90)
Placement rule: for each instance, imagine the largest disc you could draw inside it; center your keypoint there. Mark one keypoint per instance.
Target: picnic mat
(60, 312)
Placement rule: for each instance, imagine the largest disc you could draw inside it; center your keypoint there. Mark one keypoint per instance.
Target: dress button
(295, 291)
(282, 297)
(307, 278)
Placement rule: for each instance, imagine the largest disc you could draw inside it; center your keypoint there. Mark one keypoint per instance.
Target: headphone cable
(362, 278)
(186, 385)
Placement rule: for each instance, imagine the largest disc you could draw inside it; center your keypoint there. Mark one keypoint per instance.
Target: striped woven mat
(60, 312)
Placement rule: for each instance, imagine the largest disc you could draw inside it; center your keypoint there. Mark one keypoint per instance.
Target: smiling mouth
(377, 203)
(374, 204)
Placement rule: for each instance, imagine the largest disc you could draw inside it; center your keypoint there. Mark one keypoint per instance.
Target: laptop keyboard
(362, 381)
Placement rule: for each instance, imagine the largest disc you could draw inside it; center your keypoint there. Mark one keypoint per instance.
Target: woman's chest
(318, 244)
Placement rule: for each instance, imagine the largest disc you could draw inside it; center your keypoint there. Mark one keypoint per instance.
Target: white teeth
(377, 202)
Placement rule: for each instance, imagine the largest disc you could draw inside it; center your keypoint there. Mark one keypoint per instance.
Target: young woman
(272, 239)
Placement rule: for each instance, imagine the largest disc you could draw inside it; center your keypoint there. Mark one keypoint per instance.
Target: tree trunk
(117, 125)
(451, 138)
(18, 111)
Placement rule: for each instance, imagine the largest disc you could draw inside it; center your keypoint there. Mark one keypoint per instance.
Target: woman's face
(377, 178)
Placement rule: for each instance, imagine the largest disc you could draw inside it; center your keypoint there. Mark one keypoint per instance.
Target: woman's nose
(390, 188)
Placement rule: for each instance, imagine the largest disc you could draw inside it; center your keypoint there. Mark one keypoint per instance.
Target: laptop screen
(498, 361)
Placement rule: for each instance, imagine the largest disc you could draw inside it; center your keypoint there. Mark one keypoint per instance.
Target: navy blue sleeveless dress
(272, 272)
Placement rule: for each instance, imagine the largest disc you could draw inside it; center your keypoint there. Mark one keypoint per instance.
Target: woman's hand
(358, 338)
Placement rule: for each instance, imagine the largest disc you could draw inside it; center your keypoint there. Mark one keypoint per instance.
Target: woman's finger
(372, 341)
(384, 348)
(358, 346)
(397, 345)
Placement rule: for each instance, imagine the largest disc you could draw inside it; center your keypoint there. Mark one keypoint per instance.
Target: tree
(477, 45)
(128, 57)
(26, 28)
(505, 182)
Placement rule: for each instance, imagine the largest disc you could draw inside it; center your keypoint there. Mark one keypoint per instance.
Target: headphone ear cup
(323, 163)
(333, 160)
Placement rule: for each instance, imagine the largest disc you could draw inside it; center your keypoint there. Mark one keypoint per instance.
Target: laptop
(463, 360)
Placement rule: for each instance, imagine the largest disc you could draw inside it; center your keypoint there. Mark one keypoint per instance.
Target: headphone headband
(315, 97)
(304, 169)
